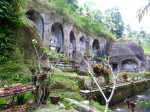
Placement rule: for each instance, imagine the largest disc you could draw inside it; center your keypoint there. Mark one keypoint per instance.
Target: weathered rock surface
(127, 52)
(64, 37)
(80, 106)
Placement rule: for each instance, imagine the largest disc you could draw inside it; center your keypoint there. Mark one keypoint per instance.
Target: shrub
(68, 105)
(81, 82)
(125, 75)
(64, 82)
(146, 74)
(73, 95)
(100, 70)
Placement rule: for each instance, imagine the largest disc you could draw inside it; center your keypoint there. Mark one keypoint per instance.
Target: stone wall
(123, 91)
(63, 37)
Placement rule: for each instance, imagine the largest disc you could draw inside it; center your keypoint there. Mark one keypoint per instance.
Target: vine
(11, 17)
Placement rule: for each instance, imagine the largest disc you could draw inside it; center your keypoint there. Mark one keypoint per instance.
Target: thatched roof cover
(125, 49)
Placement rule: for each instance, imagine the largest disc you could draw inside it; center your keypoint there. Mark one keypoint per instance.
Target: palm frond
(141, 12)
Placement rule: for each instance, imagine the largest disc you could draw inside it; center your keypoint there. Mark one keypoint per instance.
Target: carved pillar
(91, 40)
(77, 49)
(48, 22)
(67, 29)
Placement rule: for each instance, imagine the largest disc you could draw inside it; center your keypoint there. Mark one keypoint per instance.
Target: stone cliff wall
(63, 37)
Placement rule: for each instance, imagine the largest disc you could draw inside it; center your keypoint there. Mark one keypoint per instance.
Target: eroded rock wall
(64, 37)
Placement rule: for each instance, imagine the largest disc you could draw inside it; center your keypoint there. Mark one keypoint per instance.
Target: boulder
(127, 54)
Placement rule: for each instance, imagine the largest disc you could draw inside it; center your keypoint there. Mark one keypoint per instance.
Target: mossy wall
(123, 91)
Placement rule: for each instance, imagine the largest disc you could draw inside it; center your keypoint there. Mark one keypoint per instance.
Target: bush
(64, 82)
(73, 95)
(67, 94)
(100, 70)
(125, 75)
(80, 82)
(146, 74)
(14, 70)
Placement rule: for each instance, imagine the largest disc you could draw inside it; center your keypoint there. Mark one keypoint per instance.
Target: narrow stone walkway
(82, 107)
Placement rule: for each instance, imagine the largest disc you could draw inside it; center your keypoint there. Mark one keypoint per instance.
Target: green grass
(67, 86)
(14, 70)
(63, 82)
(96, 106)
(147, 51)
(83, 23)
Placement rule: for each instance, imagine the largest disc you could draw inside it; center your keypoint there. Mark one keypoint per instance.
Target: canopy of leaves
(112, 20)
(11, 17)
(10, 12)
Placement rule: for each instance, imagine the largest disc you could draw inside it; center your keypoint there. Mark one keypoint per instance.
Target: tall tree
(113, 21)
(86, 10)
(96, 15)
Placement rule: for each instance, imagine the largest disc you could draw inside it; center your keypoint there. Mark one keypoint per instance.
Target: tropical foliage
(142, 11)
(11, 17)
(112, 20)
(142, 38)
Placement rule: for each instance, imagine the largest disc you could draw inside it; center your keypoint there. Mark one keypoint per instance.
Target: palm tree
(143, 11)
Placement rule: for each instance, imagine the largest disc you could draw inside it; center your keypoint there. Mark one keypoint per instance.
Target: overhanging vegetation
(65, 11)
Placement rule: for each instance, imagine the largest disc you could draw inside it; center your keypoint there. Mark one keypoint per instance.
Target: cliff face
(64, 37)
(127, 55)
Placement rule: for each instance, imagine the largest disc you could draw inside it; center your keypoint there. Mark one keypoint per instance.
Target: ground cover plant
(12, 65)
(66, 86)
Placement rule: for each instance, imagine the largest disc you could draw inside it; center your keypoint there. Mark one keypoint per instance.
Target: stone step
(81, 107)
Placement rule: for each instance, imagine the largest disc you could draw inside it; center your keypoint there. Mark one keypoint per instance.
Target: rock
(61, 106)
(127, 54)
(80, 107)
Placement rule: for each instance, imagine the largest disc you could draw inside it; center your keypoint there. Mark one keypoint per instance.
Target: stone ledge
(81, 107)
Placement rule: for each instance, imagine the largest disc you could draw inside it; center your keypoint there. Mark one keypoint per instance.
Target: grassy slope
(82, 23)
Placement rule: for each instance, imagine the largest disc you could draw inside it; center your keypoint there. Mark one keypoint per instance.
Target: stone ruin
(64, 37)
(127, 55)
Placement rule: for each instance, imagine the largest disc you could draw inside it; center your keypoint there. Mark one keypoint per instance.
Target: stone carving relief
(38, 21)
(82, 46)
(71, 50)
(54, 44)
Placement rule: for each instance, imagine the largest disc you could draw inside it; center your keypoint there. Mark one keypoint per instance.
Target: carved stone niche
(72, 46)
(57, 38)
(82, 45)
(38, 21)
(96, 49)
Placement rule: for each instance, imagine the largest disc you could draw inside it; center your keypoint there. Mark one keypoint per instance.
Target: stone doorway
(96, 49)
(72, 46)
(38, 20)
(82, 45)
(57, 38)
(129, 65)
